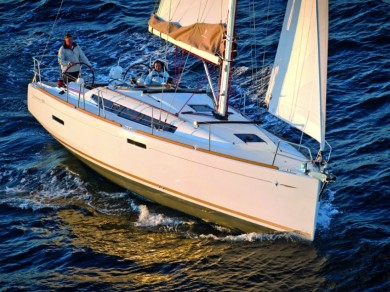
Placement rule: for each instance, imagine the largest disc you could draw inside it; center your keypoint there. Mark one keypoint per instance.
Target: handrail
(38, 64)
(330, 150)
(293, 144)
(256, 122)
(52, 66)
(197, 123)
(39, 70)
(209, 123)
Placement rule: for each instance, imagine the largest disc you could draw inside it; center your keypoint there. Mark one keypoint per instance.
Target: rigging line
(164, 70)
(201, 13)
(182, 71)
(166, 67)
(170, 16)
(264, 72)
(172, 13)
(300, 141)
(156, 5)
(177, 85)
(221, 8)
(52, 28)
(252, 20)
(196, 89)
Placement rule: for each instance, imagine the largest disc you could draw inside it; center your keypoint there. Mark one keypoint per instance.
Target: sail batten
(196, 26)
(297, 89)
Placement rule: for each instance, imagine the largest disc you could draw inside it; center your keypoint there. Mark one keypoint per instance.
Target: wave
(376, 103)
(195, 229)
(253, 237)
(147, 219)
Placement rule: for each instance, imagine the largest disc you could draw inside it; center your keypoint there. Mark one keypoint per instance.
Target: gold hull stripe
(206, 203)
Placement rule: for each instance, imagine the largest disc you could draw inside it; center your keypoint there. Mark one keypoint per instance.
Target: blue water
(62, 226)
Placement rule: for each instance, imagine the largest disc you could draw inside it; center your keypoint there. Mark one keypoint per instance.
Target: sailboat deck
(184, 117)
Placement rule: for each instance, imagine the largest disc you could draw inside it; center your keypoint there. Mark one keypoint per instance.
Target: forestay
(196, 26)
(297, 89)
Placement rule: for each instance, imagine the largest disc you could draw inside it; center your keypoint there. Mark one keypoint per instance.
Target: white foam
(326, 211)
(27, 203)
(252, 237)
(49, 189)
(118, 195)
(110, 204)
(147, 219)
(134, 207)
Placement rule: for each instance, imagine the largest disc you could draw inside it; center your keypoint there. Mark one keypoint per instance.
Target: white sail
(196, 26)
(297, 89)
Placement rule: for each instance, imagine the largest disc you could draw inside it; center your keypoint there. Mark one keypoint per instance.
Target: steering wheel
(90, 76)
(138, 69)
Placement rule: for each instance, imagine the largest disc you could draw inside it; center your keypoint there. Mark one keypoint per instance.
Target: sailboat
(186, 148)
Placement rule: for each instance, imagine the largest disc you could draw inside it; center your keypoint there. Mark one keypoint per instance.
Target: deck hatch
(249, 138)
(201, 108)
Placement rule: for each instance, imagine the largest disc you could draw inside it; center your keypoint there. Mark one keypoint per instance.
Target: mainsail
(196, 26)
(297, 89)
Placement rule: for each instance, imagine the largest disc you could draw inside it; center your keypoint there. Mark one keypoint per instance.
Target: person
(68, 56)
(158, 76)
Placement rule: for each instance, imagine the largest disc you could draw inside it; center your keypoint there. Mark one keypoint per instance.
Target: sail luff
(297, 89)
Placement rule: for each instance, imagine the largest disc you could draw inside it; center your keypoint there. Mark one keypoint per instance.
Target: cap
(68, 35)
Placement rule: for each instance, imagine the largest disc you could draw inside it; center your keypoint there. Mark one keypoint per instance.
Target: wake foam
(149, 219)
(37, 190)
(253, 237)
(326, 211)
(146, 219)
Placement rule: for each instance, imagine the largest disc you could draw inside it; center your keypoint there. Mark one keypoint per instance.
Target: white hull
(214, 185)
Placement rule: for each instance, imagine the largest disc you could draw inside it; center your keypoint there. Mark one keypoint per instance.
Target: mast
(226, 63)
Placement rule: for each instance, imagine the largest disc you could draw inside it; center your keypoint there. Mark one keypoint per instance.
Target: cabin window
(139, 144)
(58, 120)
(145, 120)
(249, 138)
(134, 116)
